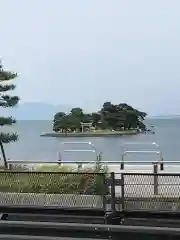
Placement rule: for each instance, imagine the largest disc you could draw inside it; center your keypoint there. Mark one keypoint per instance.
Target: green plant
(5, 102)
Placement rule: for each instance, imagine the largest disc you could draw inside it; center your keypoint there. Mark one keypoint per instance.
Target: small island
(111, 120)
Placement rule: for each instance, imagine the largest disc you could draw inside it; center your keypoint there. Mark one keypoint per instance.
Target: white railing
(88, 144)
(156, 152)
(98, 157)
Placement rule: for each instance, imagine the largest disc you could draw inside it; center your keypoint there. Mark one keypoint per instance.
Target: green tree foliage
(116, 117)
(7, 101)
(122, 116)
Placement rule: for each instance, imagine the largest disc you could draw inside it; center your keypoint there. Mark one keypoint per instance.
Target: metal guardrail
(157, 152)
(86, 162)
(51, 231)
(92, 150)
(141, 143)
(98, 157)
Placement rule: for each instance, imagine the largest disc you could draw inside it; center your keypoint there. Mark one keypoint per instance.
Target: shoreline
(90, 134)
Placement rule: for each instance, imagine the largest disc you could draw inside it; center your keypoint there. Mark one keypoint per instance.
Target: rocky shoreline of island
(90, 134)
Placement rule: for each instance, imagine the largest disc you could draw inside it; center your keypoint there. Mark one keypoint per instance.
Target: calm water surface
(33, 147)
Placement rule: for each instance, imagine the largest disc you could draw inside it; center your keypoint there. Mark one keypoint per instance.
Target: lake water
(31, 146)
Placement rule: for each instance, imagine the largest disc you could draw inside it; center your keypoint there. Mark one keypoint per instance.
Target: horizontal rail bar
(76, 162)
(157, 152)
(33, 237)
(54, 211)
(131, 162)
(77, 143)
(85, 162)
(105, 162)
(151, 174)
(108, 162)
(141, 143)
(56, 217)
(91, 228)
(79, 150)
(171, 161)
(51, 210)
(32, 162)
(150, 214)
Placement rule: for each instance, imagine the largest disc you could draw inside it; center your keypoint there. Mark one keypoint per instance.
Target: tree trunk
(4, 155)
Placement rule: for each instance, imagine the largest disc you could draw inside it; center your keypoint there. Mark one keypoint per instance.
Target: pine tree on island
(7, 101)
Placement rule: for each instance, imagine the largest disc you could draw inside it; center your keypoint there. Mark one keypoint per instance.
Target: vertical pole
(79, 166)
(4, 155)
(161, 162)
(122, 162)
(10, 166)
(59, 158)
(155, 171)
(98, 162)
(105, 186)
(122, 192)
(113, 195)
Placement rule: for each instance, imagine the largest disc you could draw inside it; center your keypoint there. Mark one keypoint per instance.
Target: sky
(83, 53)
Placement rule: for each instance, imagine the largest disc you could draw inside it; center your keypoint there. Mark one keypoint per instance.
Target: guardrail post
(105, 192)
(98, 162)
(161, 166)
(155, 171)
(79, 166)
(161, 162)
(59, 158)
(122, 192)
(122, 162)
(10, 166)
(113, 194)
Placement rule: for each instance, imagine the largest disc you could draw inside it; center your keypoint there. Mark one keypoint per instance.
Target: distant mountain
(166, 116)
(46, 111)
(34, 111)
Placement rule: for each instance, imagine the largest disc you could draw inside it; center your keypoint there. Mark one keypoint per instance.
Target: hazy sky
(85, 52)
